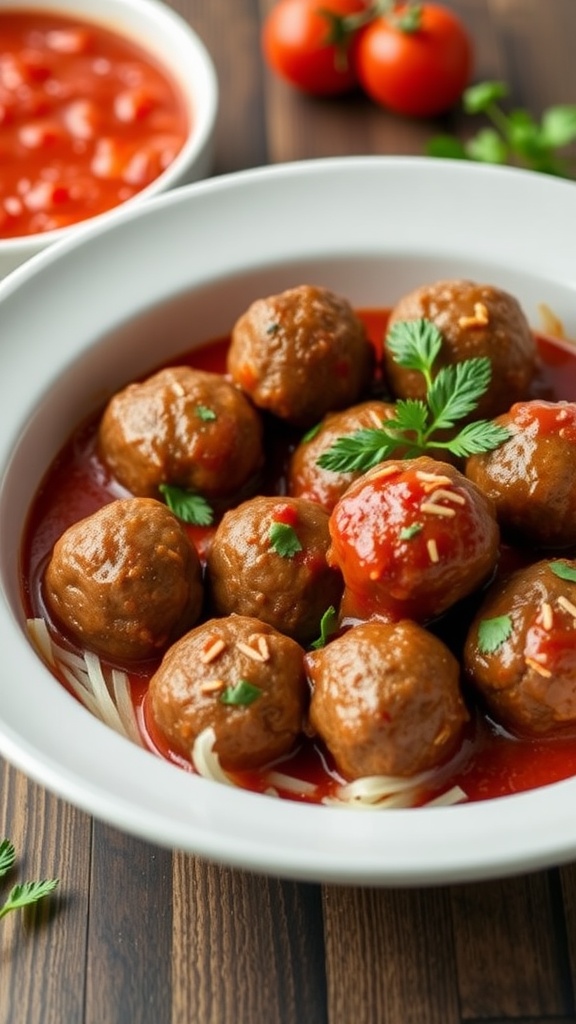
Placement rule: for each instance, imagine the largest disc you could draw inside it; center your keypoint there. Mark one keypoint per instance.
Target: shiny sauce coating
(490, 763)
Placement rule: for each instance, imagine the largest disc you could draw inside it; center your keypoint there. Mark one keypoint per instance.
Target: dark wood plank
(129, 955)
(511, 952)
(42, 962)
(231, 34)
(390, 956)
(245, 948)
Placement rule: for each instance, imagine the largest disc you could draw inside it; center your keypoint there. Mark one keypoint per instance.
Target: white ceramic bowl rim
(73, 295)
(162, 32)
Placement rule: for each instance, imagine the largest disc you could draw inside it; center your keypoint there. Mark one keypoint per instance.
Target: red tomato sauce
(87, 120)
(490, 762)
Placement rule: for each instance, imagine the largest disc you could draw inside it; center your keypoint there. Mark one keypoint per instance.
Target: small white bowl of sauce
(102, 103)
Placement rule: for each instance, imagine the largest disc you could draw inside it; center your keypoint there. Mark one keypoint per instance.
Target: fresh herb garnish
(310, 434)
(284, 540)
(492, 633)
(563, 571)
(241, 694)
(189, 507)
(407, 532)
(451, 395)
(204, 413)
(514, 137)
(328, 625)
(25, 893)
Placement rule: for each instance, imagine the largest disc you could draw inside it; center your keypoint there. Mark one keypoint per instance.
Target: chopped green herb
(563, 571)
(515, 136)
(284, 540)
(328, 625)
(204, 413)
(189, 507)
(492, 633)
(452, 394)
(273, 328)
(240, 695)
(25, 893)
(310, 434)
(410, 531)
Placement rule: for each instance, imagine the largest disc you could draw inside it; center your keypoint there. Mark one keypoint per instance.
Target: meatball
(474, 320)
(530, 478)
(306, 479)
(239, 677)
(411, 538)
(125, 581)
(183, 427)
(386, 700)
(520, 652)
(300, 354)
(268, 560)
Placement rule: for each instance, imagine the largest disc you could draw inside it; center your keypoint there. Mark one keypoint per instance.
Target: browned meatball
(126, 580)
(520, 652)
(386, 700)
(268, 559)
(306, 479)
(300, 354)
(183, 427)
(239, 677)
(531, 478)
(411, 538)
(474, 320)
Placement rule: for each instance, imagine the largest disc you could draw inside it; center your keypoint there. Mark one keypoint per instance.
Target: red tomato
(308, 43)
(419, 71)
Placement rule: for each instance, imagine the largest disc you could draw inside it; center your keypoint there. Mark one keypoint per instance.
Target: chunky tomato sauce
(490, 763)
(87, 119)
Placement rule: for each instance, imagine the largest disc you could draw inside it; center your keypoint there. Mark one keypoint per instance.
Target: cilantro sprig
(23, 894)
(494, 632)
(328, 626)
(187, 505)
(514, 136)
(284, 540)
(241, 694)
(451, 395)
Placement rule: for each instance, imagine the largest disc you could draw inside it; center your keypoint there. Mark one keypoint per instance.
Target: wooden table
(141, 935)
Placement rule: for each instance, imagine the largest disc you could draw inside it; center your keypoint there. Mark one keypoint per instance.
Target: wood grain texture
(138, 935)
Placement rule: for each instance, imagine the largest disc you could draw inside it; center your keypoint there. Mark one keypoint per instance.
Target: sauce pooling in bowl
(87, 117)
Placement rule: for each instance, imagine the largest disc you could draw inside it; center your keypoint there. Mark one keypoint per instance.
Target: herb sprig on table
(25, 893)
(512, 137)
(451, 395)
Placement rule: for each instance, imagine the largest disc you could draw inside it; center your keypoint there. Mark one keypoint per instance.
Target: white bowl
(167, 37)
(104, 306)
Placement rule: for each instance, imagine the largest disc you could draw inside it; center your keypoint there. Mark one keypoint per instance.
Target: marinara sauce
(490, 763)
(87, 120)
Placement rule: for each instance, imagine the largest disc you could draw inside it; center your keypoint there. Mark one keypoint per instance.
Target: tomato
(308, 43)
(418, 71)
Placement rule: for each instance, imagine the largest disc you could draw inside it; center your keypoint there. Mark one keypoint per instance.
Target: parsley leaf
(328, 625)
(204, 413)
(513, 136)
(240, 695)
(451, 396)
(407, 532)
(284, 540)
(25, 893)
(492, 633)
(189, 507)
(564, 571)
(7, 856)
